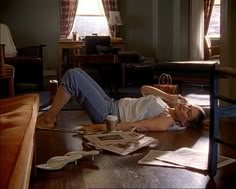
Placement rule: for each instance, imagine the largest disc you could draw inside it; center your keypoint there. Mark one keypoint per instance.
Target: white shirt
(135, 109)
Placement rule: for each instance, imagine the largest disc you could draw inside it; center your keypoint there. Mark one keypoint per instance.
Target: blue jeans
(89, 94)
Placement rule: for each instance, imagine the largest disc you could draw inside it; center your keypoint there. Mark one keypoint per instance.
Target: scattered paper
(222, 161)
(186, 157)
(122, 143)
(149, 159)
(182, 158)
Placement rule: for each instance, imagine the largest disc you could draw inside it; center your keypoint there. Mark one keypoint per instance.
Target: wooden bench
(185, 71)
(17, 126)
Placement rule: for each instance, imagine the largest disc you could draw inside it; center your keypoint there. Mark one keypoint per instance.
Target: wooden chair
(136, 70)
(211, 52)
(98, 58)
(218, 111)
(96, 50)
(28, 65)
(27, 61)
(6, 72)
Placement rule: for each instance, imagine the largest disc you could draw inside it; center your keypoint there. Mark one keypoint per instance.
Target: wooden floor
(113, 171)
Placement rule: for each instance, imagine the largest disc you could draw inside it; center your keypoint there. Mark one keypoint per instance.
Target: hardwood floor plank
(112, 171)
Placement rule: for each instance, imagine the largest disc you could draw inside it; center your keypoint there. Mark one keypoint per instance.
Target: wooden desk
(68, 44)
(65, 44)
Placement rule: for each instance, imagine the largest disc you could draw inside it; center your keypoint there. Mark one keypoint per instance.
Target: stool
(217, 112)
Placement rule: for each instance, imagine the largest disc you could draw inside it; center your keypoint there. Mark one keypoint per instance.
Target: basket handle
(165, 77)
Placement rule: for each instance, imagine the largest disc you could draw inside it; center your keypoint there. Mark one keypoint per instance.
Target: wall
(157, 28)
(180, 30)
(33, 22)
(232, 45)
(164, 23)
(153, 28)
(137, 25)
(228, 41)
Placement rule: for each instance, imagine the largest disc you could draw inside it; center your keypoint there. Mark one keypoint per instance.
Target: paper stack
(119, 142)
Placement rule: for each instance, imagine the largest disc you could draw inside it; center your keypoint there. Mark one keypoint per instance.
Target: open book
(119, 142)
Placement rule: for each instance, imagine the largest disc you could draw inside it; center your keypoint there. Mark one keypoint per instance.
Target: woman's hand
(177, 99)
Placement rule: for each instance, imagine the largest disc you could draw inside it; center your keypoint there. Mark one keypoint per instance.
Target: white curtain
(196, 30)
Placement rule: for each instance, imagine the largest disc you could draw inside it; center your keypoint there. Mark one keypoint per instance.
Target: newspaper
(122, 143)
(149, 159)
(182, 158)
(186, 157)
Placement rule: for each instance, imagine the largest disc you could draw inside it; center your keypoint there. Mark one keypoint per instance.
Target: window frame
(90, 19)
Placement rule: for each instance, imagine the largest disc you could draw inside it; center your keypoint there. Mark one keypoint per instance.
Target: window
(90, 18)
(214, 26)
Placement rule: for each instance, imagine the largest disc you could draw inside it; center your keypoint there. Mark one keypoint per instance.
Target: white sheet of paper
(186, 157)
(183, 157)
(149, 159)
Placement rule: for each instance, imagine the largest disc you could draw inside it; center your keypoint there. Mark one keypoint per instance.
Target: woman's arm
(160, 123)
(169, 98)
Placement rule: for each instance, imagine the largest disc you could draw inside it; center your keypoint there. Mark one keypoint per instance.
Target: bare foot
(42, 122)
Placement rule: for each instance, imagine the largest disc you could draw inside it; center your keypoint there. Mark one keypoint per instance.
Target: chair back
(211, 52)
(6, 71)
(1, 60)
(95, 43)
(6, 38)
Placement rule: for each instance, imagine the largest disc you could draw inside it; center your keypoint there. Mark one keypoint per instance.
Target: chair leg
(11, 87)
(214, 126)
(123, 74)
(213, 147)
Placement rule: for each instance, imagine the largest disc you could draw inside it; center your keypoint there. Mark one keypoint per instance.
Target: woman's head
(189, 115)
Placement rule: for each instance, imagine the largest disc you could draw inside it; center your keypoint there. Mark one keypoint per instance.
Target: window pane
(90, 7)
(86, 25)
(90, 18)
(214, 26)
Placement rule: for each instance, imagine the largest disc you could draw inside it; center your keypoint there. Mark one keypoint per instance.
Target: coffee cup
(111, 122)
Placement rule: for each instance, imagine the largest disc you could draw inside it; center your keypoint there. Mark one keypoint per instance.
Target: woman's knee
(70, 80)
(73, 73)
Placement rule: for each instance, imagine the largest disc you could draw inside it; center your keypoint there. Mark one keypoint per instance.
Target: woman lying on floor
(147, 113)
